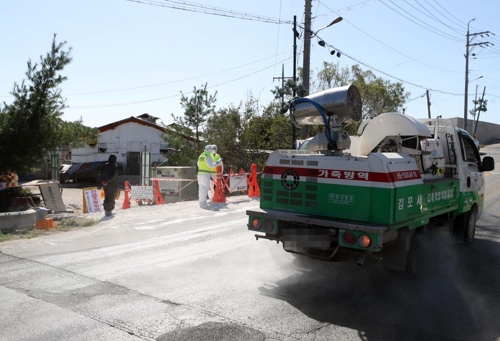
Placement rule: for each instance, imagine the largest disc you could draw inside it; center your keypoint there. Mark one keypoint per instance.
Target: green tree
(377, 94)
(31, 126)
(332, 76)
(188, 134)
(225, 129)
(182, 144)
(265, 132)
(286, 92)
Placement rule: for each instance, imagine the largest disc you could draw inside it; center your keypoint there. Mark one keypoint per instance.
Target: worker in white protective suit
(206, 167)
(218, 160)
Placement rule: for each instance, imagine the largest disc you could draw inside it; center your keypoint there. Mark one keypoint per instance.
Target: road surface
(177, 272)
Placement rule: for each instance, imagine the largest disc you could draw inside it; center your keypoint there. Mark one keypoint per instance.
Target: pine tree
(31, 126)
(187, 135)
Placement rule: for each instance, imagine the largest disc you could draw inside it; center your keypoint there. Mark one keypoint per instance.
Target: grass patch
(70, 223)
(24, 234)
(4, 237)
(65, 224)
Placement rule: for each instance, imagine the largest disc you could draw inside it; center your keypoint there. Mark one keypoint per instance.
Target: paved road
(181, 273)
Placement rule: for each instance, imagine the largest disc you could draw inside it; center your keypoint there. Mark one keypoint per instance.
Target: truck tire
(465, 226)
(470, 226)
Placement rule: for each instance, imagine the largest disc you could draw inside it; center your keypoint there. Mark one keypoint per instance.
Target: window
(102, 147)
(469, 150)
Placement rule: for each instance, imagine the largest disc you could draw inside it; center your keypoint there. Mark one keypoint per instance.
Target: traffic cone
(253, 187)
(219, 195)
(126, 201)
(157, 194)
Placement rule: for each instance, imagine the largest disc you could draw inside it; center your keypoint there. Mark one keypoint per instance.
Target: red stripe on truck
(346, 174)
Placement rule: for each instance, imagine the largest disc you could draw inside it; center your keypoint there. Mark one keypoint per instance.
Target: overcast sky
(131, 58)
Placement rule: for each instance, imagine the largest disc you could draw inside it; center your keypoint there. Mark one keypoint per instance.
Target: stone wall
(487, 133)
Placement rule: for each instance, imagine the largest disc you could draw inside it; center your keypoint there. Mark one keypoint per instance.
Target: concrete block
(19, 220)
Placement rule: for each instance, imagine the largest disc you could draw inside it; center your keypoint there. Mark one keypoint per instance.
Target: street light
(466, 92)
(475, 79)
(306, 67)
(307, 48)
(314, 34)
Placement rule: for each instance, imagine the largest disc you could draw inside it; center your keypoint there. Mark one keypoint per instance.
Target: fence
(231, 182)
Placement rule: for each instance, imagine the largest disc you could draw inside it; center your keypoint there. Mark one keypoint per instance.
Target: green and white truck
(371, 196)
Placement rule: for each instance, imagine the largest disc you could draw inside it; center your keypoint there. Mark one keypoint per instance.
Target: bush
(8, 193)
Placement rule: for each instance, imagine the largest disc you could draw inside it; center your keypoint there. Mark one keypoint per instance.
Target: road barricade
(173, 189)
(242, 182)
(161, 193)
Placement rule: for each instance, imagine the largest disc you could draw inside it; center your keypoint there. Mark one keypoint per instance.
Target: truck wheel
(470, 226)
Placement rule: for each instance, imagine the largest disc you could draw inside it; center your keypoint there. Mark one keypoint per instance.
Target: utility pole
(306, 71)
(295, 36)
(468, 49)
(428, 104)
(479, 110)
(282, 84)
(475, 102)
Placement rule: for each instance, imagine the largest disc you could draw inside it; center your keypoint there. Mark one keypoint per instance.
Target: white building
(126, 139)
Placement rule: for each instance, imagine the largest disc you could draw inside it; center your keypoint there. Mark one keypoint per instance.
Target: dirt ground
(73, 201)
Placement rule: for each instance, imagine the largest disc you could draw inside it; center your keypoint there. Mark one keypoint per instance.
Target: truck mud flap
(394, 255)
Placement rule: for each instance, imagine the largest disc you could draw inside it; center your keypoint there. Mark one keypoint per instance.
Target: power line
(431, 15)
(199, 8)
(433, 30)
(177, 81)
(348, 8)
(171, 82)
(172, 96)
(278, 38)
(415, 98)
(399, 52)
(389, 75)
(460, 22)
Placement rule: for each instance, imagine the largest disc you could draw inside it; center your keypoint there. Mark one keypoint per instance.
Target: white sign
(92, 200)
(52, 196)
(142, 192)
(238, 183)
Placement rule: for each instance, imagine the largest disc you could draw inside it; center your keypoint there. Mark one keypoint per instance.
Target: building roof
(130, 120)
(147, 120)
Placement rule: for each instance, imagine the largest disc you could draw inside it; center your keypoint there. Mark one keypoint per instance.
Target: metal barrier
(231, 182)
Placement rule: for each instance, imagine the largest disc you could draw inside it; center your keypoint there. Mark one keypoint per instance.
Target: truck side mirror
(488, 164)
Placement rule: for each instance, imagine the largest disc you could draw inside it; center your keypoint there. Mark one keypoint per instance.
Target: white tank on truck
(376, 198)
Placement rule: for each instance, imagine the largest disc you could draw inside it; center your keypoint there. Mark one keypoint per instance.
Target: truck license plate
(300, 239)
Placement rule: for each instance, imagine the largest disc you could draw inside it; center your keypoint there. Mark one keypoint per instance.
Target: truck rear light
(364, 240)
(349, 238)
(256, 224)
(268, 225)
